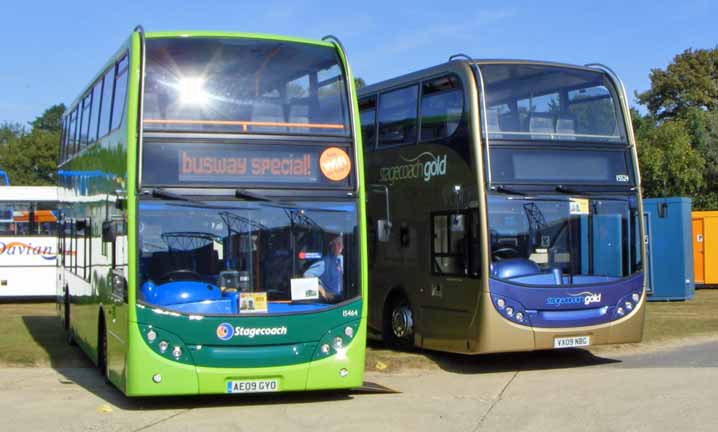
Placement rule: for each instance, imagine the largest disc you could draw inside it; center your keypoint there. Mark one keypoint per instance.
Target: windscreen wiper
(564, 190)
(251, 196)
(507, 191)
(165, 194)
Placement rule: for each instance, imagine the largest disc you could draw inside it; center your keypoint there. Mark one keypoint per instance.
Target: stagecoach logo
(585, 298)
(425, 166)
(27, 249)
(225, 331)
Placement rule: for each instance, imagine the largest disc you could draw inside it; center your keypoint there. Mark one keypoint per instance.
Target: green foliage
(30, 159)
(359, 83)
(690, 81)
(669, 164)
(703, 128)
(50, 120)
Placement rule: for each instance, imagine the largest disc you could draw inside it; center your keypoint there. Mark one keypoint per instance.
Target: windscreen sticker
(253, 302)
(335, 164)
(578, 206)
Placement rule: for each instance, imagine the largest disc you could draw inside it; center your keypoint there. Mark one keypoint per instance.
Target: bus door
(451, 294)
(115, 237)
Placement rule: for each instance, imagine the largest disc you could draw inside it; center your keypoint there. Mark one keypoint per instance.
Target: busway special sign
(189, 164)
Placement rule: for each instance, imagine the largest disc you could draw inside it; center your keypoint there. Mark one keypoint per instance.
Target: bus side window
(120, 94)
(442, 106)
(367, 114)
(397, 116)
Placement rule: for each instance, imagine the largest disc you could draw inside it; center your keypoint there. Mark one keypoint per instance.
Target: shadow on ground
(390, 361)
(76, 369)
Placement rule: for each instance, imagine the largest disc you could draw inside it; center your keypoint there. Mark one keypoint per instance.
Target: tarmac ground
(672, 389)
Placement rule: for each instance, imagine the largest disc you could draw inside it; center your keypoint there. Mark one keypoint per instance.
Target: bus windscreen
(529, 103)
(244, 85)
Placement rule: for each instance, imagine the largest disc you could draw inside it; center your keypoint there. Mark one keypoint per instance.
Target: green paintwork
(201, 346)
(296, 360)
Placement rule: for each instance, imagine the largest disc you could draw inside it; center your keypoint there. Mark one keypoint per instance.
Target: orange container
(705, 247)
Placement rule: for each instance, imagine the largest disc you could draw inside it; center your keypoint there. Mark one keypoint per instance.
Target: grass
(32, 334)
(679, 320)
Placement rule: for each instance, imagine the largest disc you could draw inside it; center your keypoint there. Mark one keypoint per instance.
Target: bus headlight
(337, 341)
(177, 352)
(628, 305)
(151, 336)
(620, 311)
(163, 345)
(635, 297)
(519, 316)
(510, 311)
(501, 303)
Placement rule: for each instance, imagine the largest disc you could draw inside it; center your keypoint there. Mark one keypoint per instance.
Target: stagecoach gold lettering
(257, 166)
(427, 169)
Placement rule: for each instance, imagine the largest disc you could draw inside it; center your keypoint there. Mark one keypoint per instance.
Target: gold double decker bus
(505, 208)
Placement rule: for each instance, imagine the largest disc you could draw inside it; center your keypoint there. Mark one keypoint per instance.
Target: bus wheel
(399, 324)
(102, 347)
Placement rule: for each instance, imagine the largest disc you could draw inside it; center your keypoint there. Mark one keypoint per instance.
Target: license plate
(253, 386)
(570, 342)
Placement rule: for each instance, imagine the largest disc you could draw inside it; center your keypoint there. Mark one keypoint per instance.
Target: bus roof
(28, 193)
(224, 34)
(433, 70)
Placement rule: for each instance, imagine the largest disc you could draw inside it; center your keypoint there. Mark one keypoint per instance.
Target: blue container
(670, 249)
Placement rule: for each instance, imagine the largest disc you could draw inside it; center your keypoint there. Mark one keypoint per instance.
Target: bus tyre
(102, 347)
(399, 324)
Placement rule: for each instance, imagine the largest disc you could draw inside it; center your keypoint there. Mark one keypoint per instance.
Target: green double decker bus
(212, 216)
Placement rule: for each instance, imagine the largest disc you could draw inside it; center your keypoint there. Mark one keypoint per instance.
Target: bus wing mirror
(109, 233)
(383, 230)
(119, 286)
(383, 226)
(121, 199)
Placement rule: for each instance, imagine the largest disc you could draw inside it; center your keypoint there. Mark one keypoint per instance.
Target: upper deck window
(547, 103)
(244, 85)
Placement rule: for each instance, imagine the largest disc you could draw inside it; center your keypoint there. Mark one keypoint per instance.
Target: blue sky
(51, 49)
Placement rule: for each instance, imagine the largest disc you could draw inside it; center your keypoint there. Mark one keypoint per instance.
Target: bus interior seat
(541, 125)
(566, 124)
(299, 113)
(151, 106)
(268, 110)
(492, 122)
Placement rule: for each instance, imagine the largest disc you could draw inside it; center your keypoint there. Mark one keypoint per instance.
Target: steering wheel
(182, 274)
(505, 253)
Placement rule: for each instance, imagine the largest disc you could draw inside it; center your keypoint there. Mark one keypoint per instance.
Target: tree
(669, 165)
(50, 120)
(359, 83)
(30, 159)
(690, 81)
(703, 128)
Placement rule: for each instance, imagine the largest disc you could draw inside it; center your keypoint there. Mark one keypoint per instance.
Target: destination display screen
(560, 166)
(175, 164)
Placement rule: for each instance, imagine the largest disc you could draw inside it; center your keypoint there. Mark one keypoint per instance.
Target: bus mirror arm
(383, 226)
